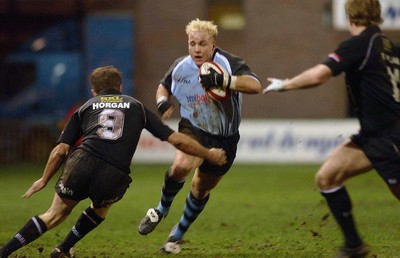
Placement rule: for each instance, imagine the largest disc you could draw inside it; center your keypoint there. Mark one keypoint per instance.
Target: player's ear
(94, 93)
(120, 88)
(350, 21)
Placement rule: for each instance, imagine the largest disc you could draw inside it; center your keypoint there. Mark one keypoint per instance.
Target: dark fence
(26, 141)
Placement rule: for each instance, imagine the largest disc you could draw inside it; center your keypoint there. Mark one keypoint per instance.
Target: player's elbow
(248, 84)
(254, 87)
(320, 79)
(60, 151)
(257, 89)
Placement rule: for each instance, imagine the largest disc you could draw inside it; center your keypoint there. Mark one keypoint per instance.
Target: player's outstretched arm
(54, 162)
(312, 77)
(192, 147)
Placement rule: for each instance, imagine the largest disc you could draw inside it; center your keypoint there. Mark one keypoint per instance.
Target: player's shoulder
(134, 101)
(183, 67)
(234, 64)
(182, 60)
(362, 40)
(219, 52)
(182, 63)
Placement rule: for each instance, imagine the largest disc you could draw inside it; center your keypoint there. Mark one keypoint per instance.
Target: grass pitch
(256, 211)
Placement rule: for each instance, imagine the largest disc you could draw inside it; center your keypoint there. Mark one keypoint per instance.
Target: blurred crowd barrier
(267, 141)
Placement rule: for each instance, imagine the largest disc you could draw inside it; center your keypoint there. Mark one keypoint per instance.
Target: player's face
(201, 46)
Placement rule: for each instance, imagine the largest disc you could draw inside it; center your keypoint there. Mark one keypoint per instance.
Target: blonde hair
(364, 12)
(199, 25)
(105, 77)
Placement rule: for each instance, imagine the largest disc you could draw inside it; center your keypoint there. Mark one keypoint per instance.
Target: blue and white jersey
(215, 117)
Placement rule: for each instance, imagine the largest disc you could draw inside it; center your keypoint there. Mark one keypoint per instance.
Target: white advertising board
(390, 10)
(267, 141)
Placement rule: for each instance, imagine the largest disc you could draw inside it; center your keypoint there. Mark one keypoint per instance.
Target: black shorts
(229, 144)
(86, 176)
(383, 152)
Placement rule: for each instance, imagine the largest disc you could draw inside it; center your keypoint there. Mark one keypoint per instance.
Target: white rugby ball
(215, 93)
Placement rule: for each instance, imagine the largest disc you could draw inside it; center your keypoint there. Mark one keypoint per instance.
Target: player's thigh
(108, 185)
(346, 161)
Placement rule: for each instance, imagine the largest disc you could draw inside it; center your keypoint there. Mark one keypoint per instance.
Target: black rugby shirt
(111, 124)
(371, 68)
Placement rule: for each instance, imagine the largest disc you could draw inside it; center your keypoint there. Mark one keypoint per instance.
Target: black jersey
(111, 125)
(372, 69)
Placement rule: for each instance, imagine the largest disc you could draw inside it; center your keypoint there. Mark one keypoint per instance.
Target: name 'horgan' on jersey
(111, 102)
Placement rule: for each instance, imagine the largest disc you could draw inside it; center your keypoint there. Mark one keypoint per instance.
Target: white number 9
(112, 122)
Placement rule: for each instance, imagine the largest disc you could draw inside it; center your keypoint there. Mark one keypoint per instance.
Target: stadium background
(49, 47)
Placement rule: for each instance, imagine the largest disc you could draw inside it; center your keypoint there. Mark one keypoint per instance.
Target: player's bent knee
(182, 168)
(324, 182)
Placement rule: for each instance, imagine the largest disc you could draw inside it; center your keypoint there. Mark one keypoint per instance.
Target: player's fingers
(224, 158)
(167, 113)
(27, 194)
(265, 90)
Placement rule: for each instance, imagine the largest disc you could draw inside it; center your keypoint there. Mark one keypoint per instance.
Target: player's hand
(217, 156)
(214, 79)
(36, 187)
(275, 85)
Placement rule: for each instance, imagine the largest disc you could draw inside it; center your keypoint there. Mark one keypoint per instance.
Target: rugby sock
(170, 189)
(192, 210)
(340, 205)
(88, 221)
(32, 230)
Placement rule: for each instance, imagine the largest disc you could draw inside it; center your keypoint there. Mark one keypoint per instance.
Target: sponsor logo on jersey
(111, 99)
(198, 99)
(335, 57)
(183, 81)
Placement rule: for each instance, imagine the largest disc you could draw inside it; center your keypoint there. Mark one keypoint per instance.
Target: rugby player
(371, 64)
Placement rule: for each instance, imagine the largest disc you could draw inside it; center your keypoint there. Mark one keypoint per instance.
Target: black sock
(170, 189)
(340, 205)
(32, 230)
(88, 221)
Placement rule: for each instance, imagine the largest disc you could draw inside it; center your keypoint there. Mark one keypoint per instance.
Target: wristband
(232, 84)
(163, 104)
(229, 81)
(161, 99)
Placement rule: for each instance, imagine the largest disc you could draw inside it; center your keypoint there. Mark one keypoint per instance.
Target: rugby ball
(215, 93)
